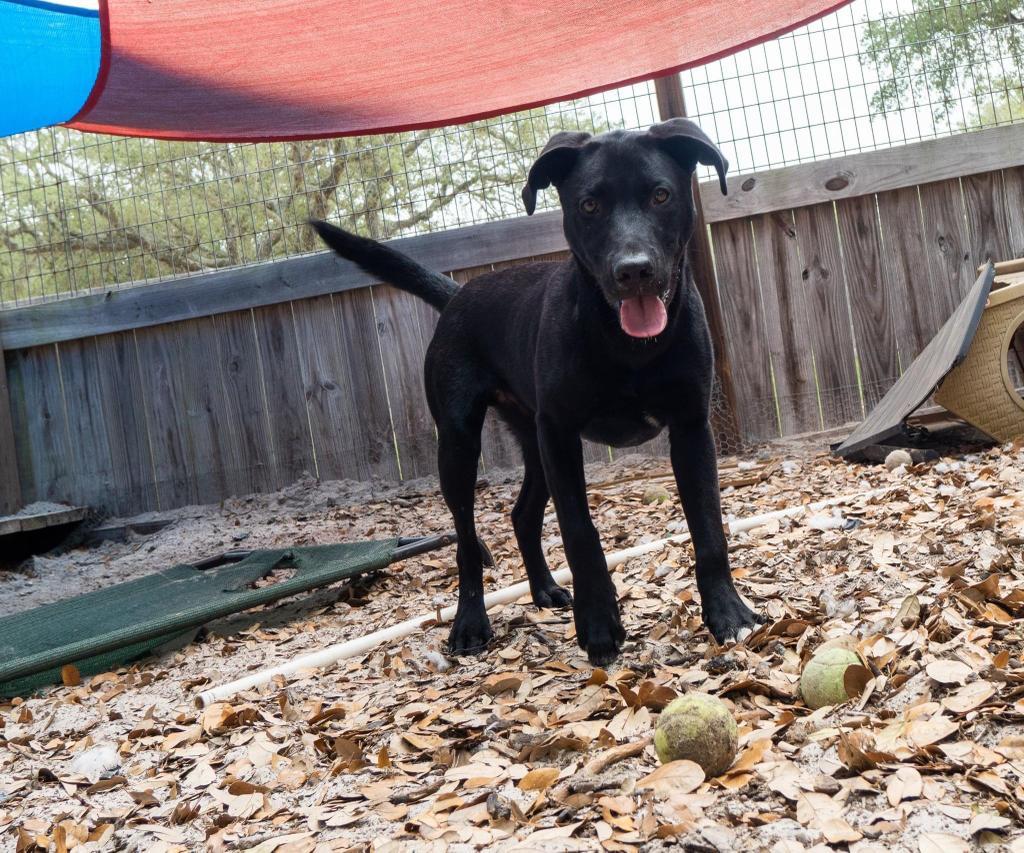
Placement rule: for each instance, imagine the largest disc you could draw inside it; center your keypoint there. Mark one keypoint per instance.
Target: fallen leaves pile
(528, 747)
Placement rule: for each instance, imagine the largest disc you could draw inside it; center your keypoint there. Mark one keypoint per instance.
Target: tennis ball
(656, 494)
(699, 728)
(897, 458)
(824, 682)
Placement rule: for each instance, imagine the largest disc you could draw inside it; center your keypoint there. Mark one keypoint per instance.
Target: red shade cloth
(283, 69)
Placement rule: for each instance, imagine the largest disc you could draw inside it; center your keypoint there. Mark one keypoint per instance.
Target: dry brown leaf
(855, 679)
(909, 613)
(941, 842)
(857, 751)
(971, 754)
(905, 784)
(70, 676)
(106, 784)
(1012, 747)
(144, 798)
(285, 843)
(988, 821)
(838, 831)
(969, 697)
(753, 754)
(948, 671)
(812, 808)
(614, 755)
(220, 717)
(539, 779)
(200, 776)
(186, 737)
(554, 833)
(680, 777)
(423, 741)
(503, 682)
(926, 732)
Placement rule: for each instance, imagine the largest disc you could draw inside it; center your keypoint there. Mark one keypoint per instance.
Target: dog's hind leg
(458, 454)
(528, 520)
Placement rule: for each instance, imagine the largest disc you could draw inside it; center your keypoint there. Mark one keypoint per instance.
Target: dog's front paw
(599, 629)
(552, 596)
(728, 619)
(471, 632)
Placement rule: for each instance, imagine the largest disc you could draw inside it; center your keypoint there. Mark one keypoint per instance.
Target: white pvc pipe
(351, 648)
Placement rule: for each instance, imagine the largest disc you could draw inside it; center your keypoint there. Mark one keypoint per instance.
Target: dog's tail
(388, 265)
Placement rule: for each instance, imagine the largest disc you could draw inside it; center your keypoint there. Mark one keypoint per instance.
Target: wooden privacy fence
(831, 277)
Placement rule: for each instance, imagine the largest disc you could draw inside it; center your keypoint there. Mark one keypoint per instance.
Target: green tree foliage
(79, 211)
(944, 51)
(1009, 107)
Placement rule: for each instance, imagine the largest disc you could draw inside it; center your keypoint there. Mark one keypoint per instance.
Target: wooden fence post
(671, 104)
(10, 486)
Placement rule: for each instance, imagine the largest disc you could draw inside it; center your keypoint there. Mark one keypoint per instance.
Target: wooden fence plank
(120, 386)
(786, 322)
(289, 431)
(987, 218)
(40, 424)
(867, 173)
(831, 335)
(211, 428)
(10, 483)
(871, 305)
(330, 397)
(405, 326)
(92, 460)
(361, 353)
(743, 314)
(905, 273)
(184, 472)
(947, 244)
(1013, 185)
(250, 458)
(111, 465)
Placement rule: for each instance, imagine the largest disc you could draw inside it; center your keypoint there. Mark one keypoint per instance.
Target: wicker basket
(981, 389)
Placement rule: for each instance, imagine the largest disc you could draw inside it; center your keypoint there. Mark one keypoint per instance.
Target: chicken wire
(81, 211)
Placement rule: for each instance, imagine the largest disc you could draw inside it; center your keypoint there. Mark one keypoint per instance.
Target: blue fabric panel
(49, 60)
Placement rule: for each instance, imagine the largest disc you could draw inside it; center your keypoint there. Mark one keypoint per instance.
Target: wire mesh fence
(81, 211)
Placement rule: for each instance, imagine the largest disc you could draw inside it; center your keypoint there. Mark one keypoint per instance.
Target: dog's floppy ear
(553, 164)
(688, 144)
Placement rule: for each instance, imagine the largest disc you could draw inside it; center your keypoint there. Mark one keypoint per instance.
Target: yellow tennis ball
(699, 728)
(656, 494)
(823, 681)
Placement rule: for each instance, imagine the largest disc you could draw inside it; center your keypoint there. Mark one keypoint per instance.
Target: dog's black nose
(633, 270)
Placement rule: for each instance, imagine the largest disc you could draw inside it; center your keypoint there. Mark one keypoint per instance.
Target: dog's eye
(589, 206)
(660, 195)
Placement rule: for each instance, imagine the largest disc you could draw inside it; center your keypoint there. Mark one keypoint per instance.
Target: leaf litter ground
(528, 747)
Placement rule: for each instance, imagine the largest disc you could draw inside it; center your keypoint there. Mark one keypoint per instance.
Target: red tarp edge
(262, 127)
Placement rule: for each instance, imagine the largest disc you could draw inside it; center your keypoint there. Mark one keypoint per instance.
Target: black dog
(611, 344)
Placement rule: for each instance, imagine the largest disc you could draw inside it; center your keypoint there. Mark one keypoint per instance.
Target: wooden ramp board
(945, 351)
(32, 518)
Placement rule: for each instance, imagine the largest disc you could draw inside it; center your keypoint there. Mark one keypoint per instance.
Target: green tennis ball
(823, 681)
(699, 728)
(656, 494)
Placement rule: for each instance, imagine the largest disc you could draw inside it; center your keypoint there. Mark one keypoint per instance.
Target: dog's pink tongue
(643, 316)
